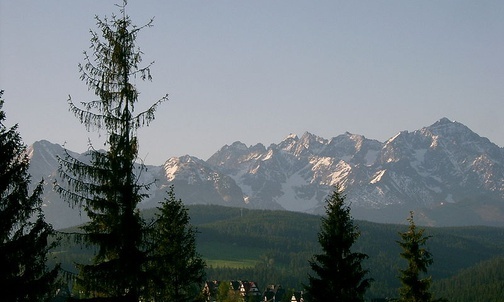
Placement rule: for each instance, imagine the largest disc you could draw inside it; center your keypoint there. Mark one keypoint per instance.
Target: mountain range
(445, 172)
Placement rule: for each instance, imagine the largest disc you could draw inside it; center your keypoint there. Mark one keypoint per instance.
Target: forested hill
(282, 242)
(483, 282)
(273, 247)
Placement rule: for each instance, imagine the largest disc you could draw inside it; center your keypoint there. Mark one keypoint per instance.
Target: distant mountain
(448, 173)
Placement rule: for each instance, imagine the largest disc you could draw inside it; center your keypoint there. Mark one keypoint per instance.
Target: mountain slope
(445, 171)
(436, 165)
(482, 282)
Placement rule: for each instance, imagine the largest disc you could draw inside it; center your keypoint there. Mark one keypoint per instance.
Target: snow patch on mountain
(377, 177)
(170, 168)
(370, 157)
(268, 155)
(340, 176)
(290, 199)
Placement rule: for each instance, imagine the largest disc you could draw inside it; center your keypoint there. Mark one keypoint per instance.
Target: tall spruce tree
(106, 185)
(414, 287)
(339, 275)
(24, 243)
(178, 269)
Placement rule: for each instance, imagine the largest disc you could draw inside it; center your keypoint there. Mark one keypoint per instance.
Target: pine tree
(106, 186)
(24, 233)
(339, 273)
(414, 287)
(178, 268)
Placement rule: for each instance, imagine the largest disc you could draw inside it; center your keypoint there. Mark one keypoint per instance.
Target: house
(248, 290)
(273, 293)
(297, 297)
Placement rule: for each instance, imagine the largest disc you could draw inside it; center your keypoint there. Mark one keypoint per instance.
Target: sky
(257, 71)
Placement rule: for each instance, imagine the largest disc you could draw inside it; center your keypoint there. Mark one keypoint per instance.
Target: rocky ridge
(443, 168)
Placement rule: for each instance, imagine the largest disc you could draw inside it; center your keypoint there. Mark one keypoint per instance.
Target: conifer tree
(178, 270)
(339, 275)
(106, 186)
(24, 243)
(414, 287)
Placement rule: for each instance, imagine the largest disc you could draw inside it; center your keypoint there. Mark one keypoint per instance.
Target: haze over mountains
(445, 172)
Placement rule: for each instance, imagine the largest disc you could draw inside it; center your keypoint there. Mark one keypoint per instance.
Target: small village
(249, 291)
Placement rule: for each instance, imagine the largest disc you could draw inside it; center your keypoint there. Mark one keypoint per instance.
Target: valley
(273, 247)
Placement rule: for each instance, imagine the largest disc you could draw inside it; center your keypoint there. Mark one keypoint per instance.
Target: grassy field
(218, 254)
(231, 264)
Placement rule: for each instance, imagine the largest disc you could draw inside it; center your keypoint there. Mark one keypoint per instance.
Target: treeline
(468, 261)
(284, 241)
(483, 282)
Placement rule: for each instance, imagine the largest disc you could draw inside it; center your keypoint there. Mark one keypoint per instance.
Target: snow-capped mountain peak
(444, 163)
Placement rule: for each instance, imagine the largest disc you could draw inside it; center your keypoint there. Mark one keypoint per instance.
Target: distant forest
(273, 247)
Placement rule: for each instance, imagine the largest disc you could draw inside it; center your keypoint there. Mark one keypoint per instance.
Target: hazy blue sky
(256, 71)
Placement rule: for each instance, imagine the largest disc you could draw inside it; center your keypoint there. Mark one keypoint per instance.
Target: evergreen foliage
(339, 272)
(414, 287)
(272, 247)
(106, 185)
(178, 270)
(24, 233)
(483, 282)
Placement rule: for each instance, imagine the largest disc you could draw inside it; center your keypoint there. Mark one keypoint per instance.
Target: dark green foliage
(228, 234)
(339, 273)
(483, 282)
(177, 269)
(277, 243)
(23, 231)
(415, 287)
(107, 187)
(273, 248)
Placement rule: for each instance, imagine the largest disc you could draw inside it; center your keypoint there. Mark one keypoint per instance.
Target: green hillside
(274, 247)
(483, 282)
